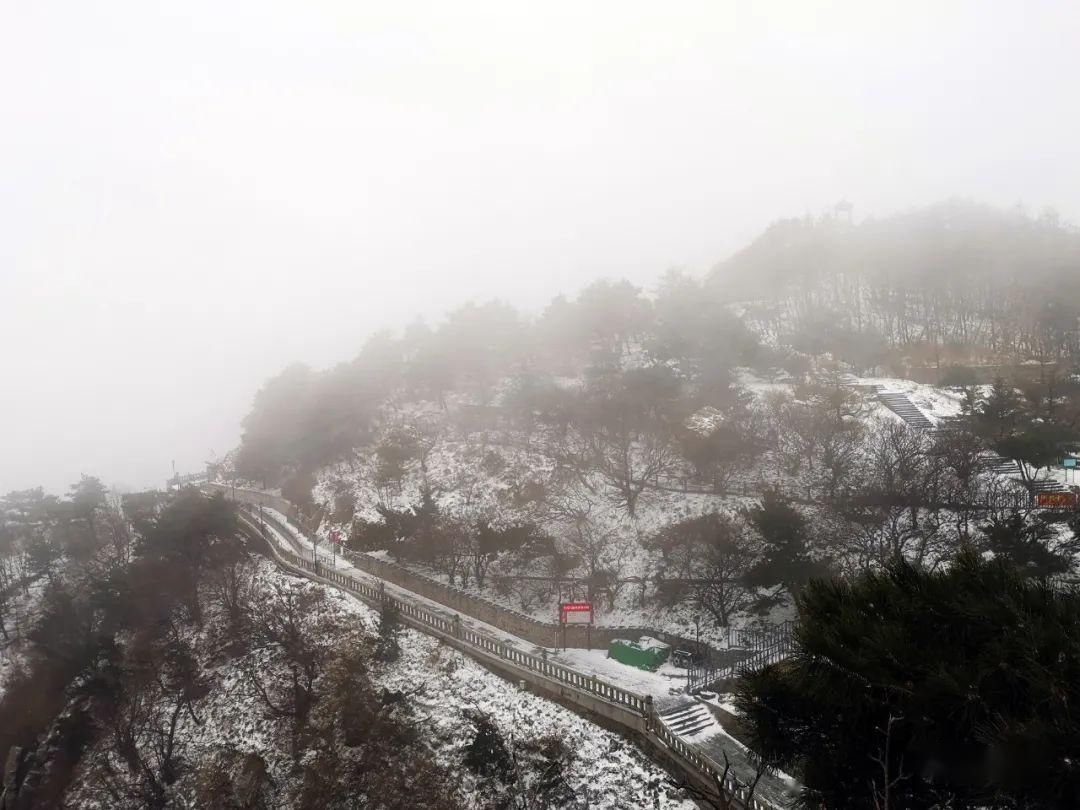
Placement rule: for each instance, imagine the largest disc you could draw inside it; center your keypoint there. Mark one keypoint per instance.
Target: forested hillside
(838, 410)
(706, 447)
(551, 406)
(152, 658)
(845, 429)
(954, 283)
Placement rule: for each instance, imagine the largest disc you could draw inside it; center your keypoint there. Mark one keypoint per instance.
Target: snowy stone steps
(1046, 485)
(903, 407)
(1007, 466)
(1001, 465)
(700, 726)
(688, 719)
(679, 711)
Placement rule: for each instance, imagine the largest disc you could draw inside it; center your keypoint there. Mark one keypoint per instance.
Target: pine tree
(917, 689)
(1026, 543)
(1001, 413)
(1036, 445)
(786, 561)
(488, 754)
(388, 647)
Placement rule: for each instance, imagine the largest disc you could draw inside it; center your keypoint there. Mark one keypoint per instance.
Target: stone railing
(450, 626)
(255, 496)
(633, 711)
(542, 634)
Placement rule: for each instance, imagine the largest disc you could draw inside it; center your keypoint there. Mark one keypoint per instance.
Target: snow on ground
(934, 402)
(725, 701)
(231, 716)
(477, 473)
(591, 661)
(627, 613)
(760, 386)
(608, 769)
(666, 681)
(474, 476)
(596, 662)
(18, 619)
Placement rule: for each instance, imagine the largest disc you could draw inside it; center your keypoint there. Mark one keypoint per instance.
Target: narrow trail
(704, 760)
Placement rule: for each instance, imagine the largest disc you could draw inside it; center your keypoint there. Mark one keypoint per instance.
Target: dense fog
(197, 194)
(475, 406)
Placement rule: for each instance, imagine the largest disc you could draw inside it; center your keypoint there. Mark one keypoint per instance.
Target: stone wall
(543, 634)
(590, 694)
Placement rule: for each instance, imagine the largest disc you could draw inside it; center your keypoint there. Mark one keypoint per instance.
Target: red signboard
(1056, 500)
(575, 612)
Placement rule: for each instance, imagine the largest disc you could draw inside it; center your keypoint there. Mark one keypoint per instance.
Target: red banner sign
(575, 612)
(1056, 500)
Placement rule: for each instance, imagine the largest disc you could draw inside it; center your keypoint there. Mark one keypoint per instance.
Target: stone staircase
(903, 407)
(689, 718)
(950, 423)
(1000, 465)
(1007, 466)
(1046, 485)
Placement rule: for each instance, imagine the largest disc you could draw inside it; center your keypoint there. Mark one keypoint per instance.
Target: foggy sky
(194, 194)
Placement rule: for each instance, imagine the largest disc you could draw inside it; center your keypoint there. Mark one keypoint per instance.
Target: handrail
(640, 711)
(469, 635)
(537, 631)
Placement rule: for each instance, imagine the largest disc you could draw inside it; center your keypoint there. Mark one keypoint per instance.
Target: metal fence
(758, 638)
(768, 647)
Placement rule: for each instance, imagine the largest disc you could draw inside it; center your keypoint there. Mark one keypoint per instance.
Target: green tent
(645, 653)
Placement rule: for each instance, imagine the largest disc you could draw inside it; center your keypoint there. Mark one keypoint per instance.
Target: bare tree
(143, 756)
(723, 592)
(119, 539)
(628, 461)
(598, 549)
(293, 621)
(708, 558)
(424, 432)
(143, 718)
(890, 777)
(452, 546)
(231, 582)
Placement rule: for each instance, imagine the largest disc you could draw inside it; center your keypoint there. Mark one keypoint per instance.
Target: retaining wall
(543, 634)
(636, 713)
